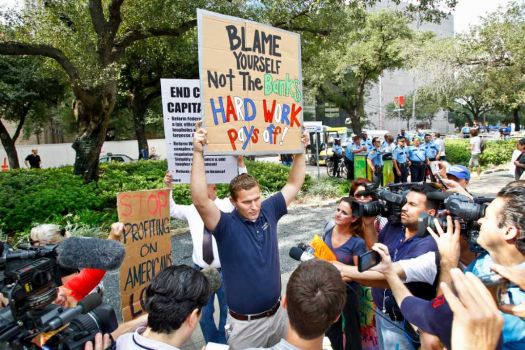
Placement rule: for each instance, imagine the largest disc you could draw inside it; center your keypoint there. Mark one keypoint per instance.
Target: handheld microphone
(297, 254)
(94, 253)
(213, 277)
(87, 304)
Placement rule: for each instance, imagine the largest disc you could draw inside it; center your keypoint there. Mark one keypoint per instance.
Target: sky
(466, 13)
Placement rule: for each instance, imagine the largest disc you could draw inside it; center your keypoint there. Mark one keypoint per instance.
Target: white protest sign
(181, 107)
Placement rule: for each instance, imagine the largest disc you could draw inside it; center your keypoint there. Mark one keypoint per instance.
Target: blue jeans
(210, 331)
(391, 334)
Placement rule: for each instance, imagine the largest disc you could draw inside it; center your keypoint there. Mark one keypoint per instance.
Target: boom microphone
(298, 254)
(213, 277)
(94, 253)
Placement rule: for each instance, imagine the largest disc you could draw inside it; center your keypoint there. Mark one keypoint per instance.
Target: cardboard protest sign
(181, 107)
(147, 239)
(251, 86)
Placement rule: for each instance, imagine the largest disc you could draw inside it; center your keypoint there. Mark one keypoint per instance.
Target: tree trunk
(516, 115)
(9, 146)
(92, 111)
(138, 106)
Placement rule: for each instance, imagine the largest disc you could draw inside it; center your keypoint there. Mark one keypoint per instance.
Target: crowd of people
(430, 290)
(422, 298)
(410, 155)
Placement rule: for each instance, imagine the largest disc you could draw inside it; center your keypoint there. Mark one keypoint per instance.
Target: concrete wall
(60, 154)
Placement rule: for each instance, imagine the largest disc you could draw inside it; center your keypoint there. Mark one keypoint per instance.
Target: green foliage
(328, 187)
(496, 152)
(57, 196)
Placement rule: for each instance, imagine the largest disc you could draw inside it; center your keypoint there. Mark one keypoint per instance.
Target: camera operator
(420, 277)
(502, 235)
(173, 301)
(75, 287)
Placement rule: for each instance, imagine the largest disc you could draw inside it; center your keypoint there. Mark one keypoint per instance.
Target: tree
(368, 46)
(145, 65)
(28, 93)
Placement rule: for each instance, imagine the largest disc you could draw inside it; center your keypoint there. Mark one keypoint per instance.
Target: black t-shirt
(520, 170)
(34, 160)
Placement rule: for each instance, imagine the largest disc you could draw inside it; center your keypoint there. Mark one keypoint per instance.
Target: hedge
(496, 152)
(57, 196)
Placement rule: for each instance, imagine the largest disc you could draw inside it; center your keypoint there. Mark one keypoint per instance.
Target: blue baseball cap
(459, 171)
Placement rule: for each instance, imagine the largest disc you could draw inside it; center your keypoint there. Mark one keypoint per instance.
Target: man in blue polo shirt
(400, 160)
(248, 249)
(419, 275)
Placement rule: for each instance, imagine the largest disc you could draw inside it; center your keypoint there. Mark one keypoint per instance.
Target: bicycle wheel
(330, 168)
(344, 170)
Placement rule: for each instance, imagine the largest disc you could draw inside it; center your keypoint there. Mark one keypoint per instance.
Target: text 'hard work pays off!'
(252, 90)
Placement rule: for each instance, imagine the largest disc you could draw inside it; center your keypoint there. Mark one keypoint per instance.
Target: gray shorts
(261, 333)
(474, 160)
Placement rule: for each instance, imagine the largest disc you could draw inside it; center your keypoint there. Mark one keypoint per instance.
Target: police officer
(337, 155)
(357, 146)
(375, 161)
(418, 160)
(431, 148)
(401, 160)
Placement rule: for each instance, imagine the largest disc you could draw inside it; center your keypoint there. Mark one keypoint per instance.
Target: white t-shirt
(441, 145)
(191, 215)
(476, 142)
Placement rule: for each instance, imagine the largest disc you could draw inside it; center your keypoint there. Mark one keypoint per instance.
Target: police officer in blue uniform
(431, 148)
(375, 161)
(357, 146)
(418, 160)
(337, 155)
(400, 158)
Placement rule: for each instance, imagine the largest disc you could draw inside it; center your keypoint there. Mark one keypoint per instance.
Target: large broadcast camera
(29, 278)
(387, 202)
(461, 208)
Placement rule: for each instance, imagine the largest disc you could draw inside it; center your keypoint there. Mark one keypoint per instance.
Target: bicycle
(341, 167)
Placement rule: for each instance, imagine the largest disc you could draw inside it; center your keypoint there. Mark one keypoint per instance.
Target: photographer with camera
(420, 278)
(502, 235)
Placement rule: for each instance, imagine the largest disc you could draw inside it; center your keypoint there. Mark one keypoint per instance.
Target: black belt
(417, 163)
(263, 314)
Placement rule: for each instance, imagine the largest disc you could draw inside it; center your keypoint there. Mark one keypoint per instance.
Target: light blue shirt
(376, 156)
(513, 327)
(338, 150)
(349, 154)
(417, 154)
(431, 150)
(400, 154)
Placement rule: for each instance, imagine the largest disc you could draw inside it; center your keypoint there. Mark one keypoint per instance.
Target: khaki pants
(261, 333)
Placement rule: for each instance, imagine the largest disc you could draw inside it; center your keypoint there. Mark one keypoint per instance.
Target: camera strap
(140, 345)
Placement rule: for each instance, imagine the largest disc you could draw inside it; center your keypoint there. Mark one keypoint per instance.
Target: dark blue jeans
(210, 331)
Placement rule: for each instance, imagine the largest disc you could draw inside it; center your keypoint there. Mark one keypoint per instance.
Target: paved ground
(302, 222)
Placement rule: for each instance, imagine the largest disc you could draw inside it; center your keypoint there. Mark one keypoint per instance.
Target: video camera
(461, 208)
(387, 202)
(29, 278)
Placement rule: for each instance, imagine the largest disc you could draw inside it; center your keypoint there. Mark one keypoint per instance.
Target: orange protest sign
(147, 239)
(251, 84)
(321, 250)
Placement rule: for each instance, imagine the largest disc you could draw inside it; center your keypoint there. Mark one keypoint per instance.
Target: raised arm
(207, 209)
(367, 278)
(296, 176)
